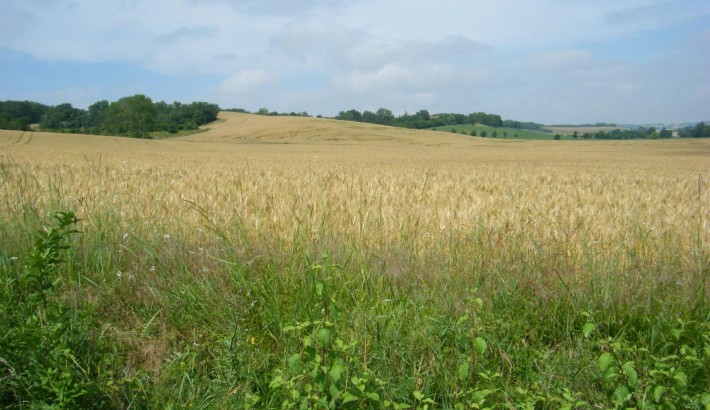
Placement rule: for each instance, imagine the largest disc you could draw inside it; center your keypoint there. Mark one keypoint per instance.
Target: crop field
(301, 262)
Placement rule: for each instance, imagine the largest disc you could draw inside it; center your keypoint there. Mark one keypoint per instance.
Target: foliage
(18, 115)
(511, 283)
(701, 130)
(673, 374)
(49, 359)
(422, 119)
(134, 116)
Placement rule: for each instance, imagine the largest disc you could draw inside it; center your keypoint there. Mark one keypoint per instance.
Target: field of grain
(198, 254)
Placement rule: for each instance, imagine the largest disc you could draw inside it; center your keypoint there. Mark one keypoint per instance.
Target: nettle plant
(670, 377)
(47, 357)
(326, 371)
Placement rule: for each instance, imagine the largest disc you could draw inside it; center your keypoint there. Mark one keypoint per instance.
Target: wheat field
(609, 221)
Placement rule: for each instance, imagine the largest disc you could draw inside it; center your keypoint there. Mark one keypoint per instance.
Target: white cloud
(246, 80)
(549, 60)
(456, 55)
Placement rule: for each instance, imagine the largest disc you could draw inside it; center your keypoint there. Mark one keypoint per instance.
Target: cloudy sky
(549, 61)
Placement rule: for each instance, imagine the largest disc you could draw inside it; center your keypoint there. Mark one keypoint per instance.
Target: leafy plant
(48, 359)
(635, 376)
(326, 371)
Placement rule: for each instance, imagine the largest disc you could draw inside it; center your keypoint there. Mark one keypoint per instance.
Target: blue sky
(549, 61)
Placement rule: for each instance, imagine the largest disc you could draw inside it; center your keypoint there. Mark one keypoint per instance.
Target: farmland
(288, 261)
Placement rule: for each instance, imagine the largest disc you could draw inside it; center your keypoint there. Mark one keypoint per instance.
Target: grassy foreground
(395, 275)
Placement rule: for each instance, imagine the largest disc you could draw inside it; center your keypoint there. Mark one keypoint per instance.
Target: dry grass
(204, 248)
(401, 198)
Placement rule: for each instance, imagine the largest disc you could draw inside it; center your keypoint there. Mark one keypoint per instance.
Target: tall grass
(394, 281)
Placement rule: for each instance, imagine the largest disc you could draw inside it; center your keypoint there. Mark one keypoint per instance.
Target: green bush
(48, 359)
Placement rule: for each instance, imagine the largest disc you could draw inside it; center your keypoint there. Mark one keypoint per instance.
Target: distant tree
(484, 134)
(385, 116)
(473, 133)
(505, 134)
(557, 136)
(454, 130)
(370, 117)
(63, 117)
(18, 115)
(495, 134)
(263, 111)
(96, 115)
(665, 133)
(131, 116)
(575, 135)
(350, 115)
(423, 114)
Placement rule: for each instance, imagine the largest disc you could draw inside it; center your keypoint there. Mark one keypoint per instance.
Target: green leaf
(294, 361)
(373, 396)
(604, 362)
(323, 336)
(336, 372)
(621, 393)
(464, 371)
(588, 329)
(461, 320)
(681, 378)
(417, 395)
(480, 344)
(658, 393)
(480, 395)
(348, 397)
(630, 373)
(319, 289)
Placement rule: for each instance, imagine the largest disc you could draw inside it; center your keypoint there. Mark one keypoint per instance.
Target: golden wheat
(405, 200)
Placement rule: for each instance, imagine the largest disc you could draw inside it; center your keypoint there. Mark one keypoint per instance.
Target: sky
(548, 61)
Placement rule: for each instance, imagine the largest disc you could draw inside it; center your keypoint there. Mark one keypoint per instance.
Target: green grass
(502, 132)
(230, 327)
(112, 317)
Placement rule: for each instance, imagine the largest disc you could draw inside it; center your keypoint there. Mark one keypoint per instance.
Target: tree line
(701, 130)
(421, 119)
(135, 116)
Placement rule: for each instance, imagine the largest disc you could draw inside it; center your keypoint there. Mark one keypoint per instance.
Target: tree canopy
(134, 116)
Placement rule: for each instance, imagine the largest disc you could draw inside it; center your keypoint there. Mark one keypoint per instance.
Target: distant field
(273, 262)
(502, 132)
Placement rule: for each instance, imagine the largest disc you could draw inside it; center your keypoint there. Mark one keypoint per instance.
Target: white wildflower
(119, 274)
(13, 258)
(166, 236)
(125, 236)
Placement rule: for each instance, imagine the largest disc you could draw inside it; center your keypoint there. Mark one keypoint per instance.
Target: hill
(250, 128)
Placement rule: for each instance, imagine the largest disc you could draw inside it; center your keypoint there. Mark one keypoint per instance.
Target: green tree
(385, 116)
(63, 117)
(96, 115)
(131, 116)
